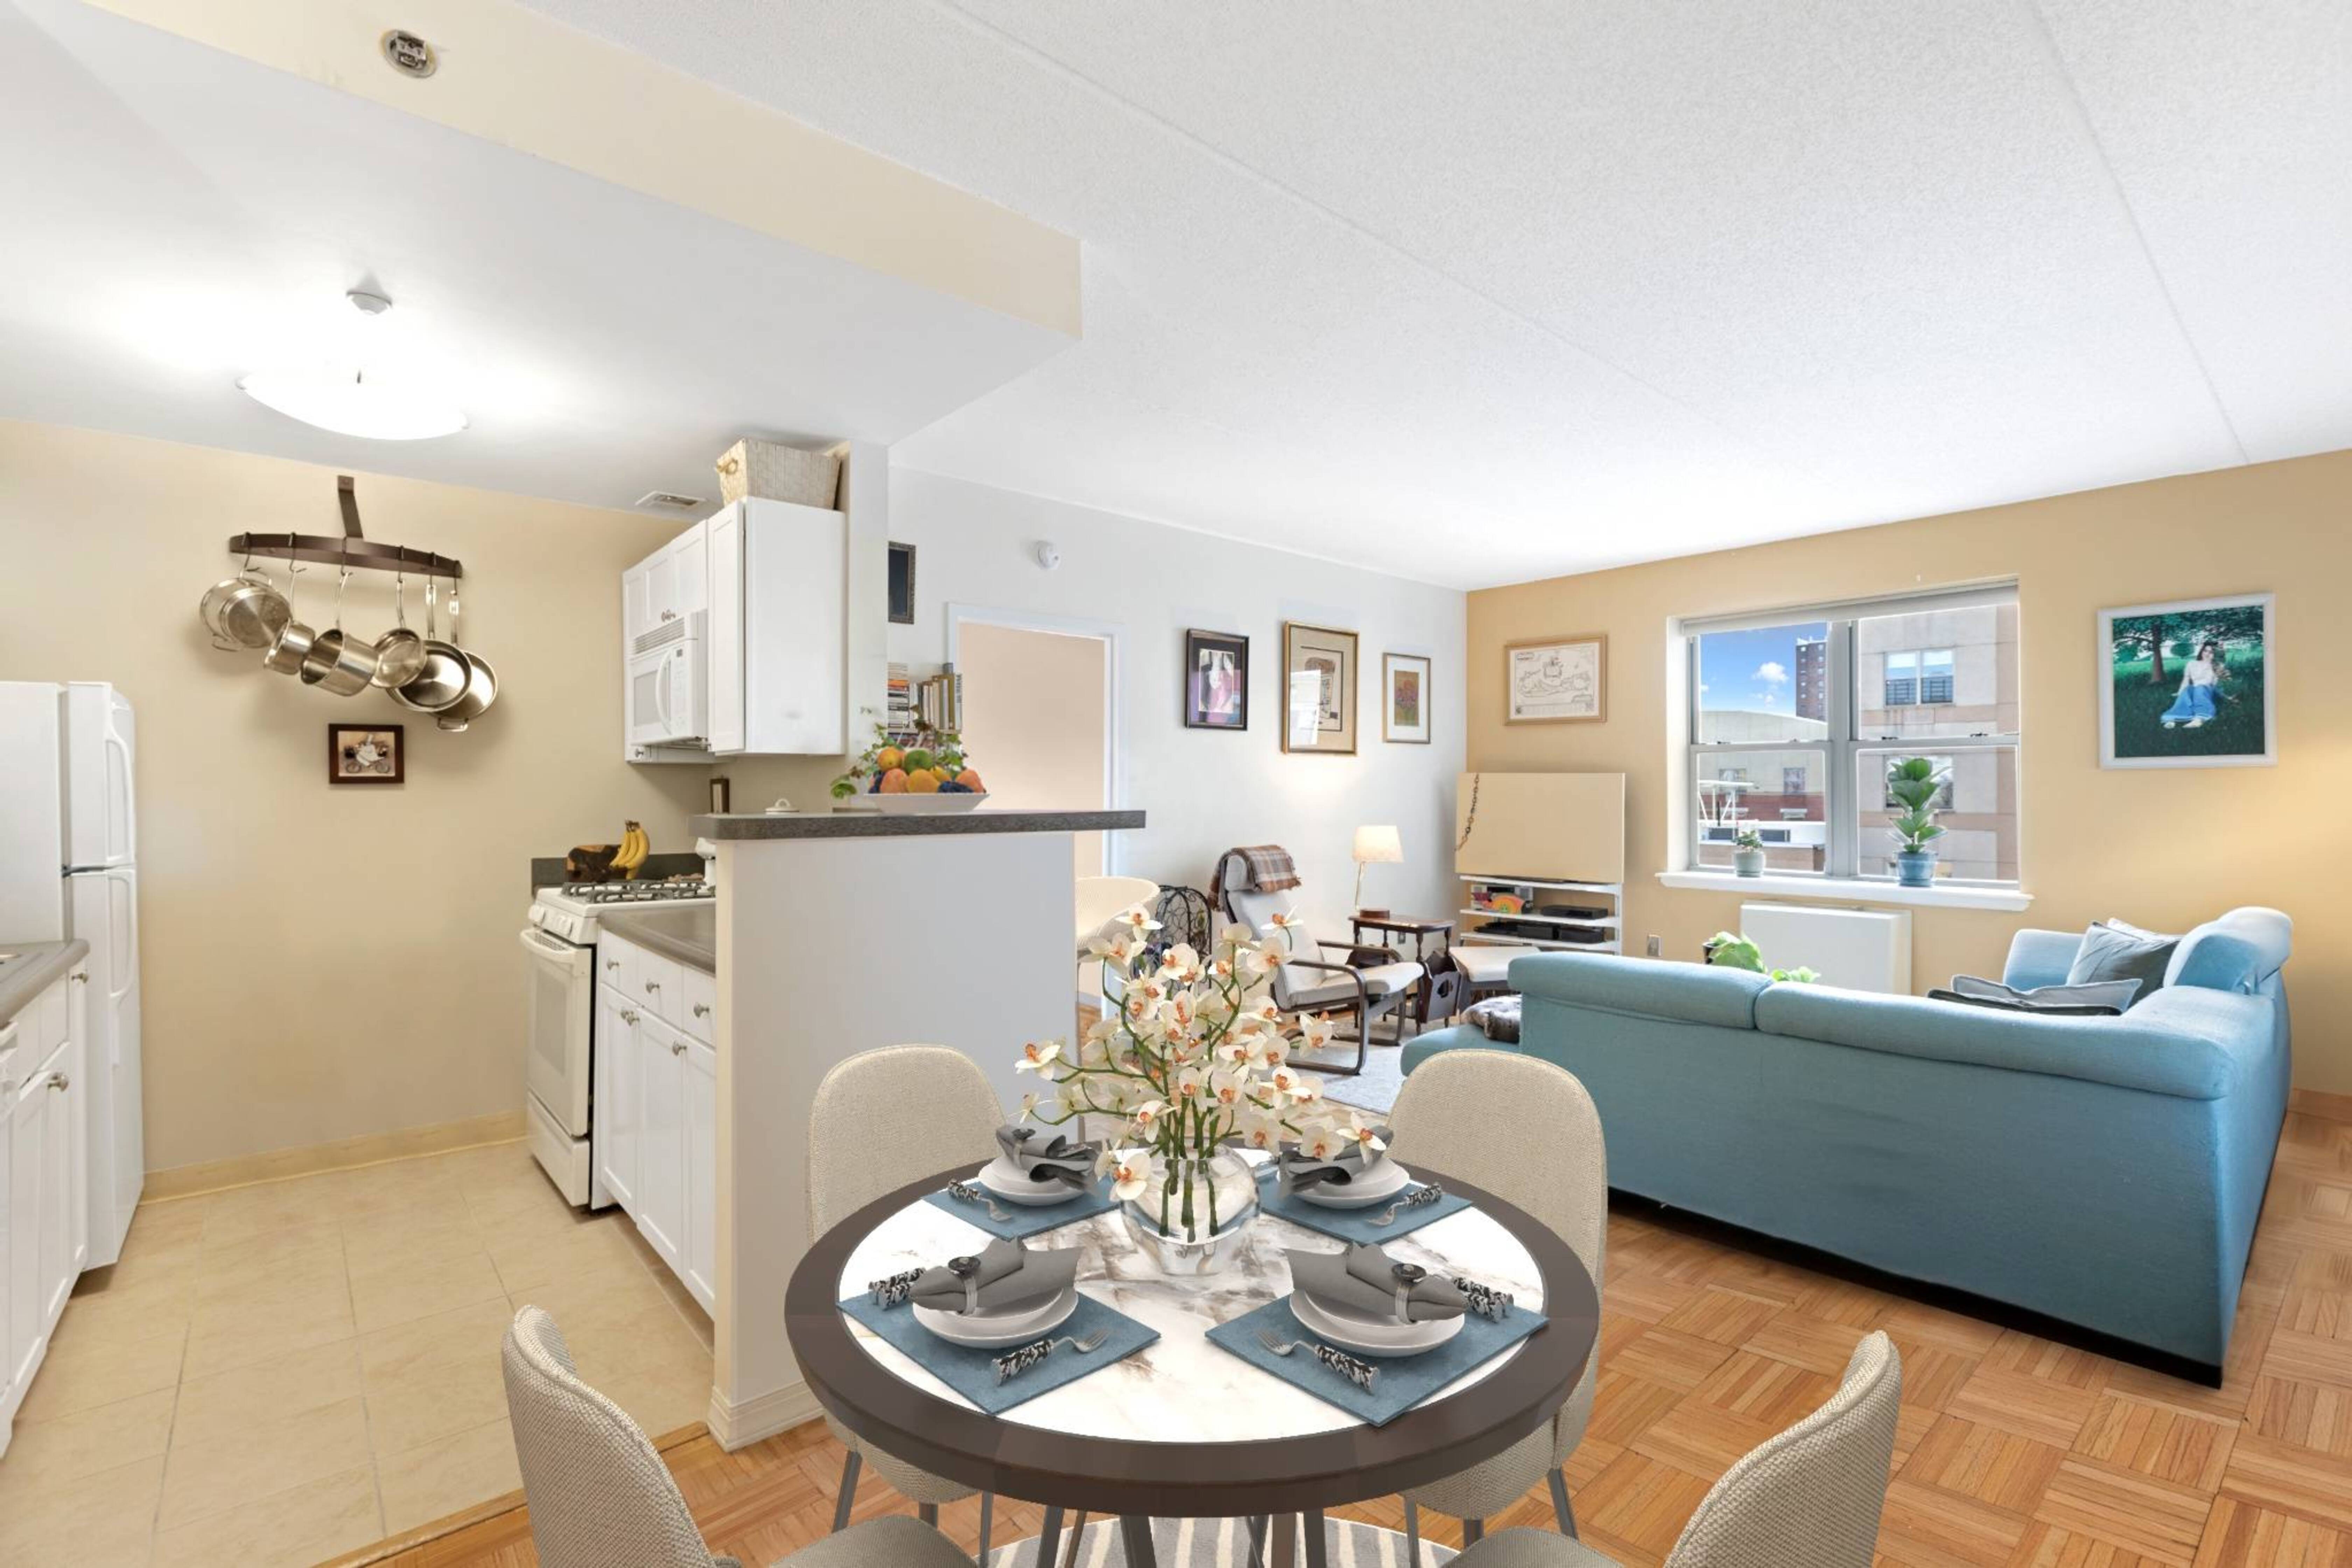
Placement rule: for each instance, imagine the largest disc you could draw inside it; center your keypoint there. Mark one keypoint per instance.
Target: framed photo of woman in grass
(2189, 685)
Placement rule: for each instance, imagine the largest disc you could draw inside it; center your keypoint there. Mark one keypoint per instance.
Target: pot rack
(352, 549)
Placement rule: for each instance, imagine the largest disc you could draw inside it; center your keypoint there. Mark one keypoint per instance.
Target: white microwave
(669, 679)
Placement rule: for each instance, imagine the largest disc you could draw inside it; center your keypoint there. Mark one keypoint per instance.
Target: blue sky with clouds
(1755, 670)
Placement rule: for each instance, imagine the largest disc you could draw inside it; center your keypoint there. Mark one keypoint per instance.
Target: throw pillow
(2110, 995)
(1497, 1018)
(2005, 1004)
(2114, 950)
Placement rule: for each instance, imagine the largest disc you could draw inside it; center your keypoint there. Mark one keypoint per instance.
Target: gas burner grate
(642, 894)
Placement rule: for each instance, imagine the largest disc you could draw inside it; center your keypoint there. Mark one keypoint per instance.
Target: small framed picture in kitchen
(367, 754)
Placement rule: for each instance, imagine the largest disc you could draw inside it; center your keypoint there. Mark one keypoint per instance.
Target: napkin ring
(1484, 1300)
(897, 1289)
(968, 1270)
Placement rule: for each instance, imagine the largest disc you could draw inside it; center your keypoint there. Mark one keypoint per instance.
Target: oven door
(562, 979)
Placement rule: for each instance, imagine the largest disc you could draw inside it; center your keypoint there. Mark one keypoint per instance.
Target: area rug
(1375, 1088)
(1224, 1543)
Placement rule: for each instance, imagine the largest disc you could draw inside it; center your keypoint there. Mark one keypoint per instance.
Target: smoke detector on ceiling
(669, 501)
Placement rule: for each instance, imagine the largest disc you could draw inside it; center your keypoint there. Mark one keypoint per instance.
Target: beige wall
(321, 963)
(1034, 711)
(2160, 848)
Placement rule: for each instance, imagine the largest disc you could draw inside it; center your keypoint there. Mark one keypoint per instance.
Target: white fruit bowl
(913, 804)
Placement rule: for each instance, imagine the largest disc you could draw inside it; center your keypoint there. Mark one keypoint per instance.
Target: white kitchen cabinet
(777, 631)
(619, 1079)
(667, 586)
(661, 1139)
(701, 1114)
(44, 1218)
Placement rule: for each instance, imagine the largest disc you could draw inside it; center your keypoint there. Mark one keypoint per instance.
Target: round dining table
(1183, 1428)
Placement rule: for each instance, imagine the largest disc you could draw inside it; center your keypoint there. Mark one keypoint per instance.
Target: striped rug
(1223, 1544)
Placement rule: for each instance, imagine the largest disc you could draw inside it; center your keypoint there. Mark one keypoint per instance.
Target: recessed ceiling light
(350, 402)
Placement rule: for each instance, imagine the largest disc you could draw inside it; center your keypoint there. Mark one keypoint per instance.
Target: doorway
(1040, 715)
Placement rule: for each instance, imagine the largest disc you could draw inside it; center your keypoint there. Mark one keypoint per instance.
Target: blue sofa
(2103, 1172)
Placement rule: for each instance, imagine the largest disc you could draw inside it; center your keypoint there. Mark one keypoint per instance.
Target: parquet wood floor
(2014, 1451)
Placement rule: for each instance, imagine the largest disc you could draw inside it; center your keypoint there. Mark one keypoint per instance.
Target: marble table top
(1182, 1388)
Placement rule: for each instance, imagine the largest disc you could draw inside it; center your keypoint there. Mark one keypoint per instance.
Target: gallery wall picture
(1318, 689)
(2192, 684)
(367, 754)
(1404, 701)
(1216, 680)
(1556, 680)
(902, 585)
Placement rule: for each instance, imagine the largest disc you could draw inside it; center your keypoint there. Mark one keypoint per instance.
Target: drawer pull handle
(677, 1048)
(627, 1016)
(702, 1009)
(611, 963)
(59, 1081)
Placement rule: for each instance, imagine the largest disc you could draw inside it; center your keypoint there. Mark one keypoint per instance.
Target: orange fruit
(971, 780)
(895, 781)
(922, 781)
(888, 757)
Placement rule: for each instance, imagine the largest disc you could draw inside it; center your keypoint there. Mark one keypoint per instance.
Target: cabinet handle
(652, 986)
(611, 963)
(59, 1081)
(81, 977)
(627, 1016)
(702, 1009)
(677, 1049)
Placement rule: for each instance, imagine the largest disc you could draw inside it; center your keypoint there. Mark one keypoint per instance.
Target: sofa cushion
(1694, 992)
(2247, 946)
(2187, 1043)
(2114, 950)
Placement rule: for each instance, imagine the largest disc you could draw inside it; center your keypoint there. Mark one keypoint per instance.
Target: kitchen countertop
(686, 932)
(29, 973)
(875, 824)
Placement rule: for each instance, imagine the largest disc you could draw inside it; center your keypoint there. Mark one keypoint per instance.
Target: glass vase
(1195, 1217)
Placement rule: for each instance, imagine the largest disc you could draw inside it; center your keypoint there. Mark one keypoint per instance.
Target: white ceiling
(1494, 290)
(176, 216)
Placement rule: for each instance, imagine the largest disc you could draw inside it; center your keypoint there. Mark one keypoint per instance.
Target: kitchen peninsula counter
(841, 932)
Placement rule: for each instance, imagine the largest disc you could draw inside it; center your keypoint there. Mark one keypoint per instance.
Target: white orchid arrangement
(1194, 1056)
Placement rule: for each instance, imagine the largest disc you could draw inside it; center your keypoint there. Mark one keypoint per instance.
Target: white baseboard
(763, 1416)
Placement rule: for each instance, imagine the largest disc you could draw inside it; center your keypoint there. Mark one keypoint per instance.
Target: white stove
(569, 910)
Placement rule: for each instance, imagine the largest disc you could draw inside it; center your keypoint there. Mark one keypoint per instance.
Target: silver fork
(1014, 1362)
(1363, 1373)
(965, 1192)
(1413, 1200)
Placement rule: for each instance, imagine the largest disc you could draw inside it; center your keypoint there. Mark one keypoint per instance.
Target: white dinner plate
(1369, 1336)
(1384, 1181)
(994, 1331)
(1005, 1179)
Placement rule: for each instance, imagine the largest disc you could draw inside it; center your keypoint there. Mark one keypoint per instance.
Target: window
(1795, 721)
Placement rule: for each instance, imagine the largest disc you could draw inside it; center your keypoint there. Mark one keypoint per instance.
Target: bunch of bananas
(633, 852)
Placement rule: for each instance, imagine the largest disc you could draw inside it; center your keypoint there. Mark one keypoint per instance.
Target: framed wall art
(367, 754)
(2192, 684)
(1556, 680)
(1405, 700)
(1216, 680)
(1319, 688)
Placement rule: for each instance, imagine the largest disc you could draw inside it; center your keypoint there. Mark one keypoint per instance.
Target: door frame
(1113, 636)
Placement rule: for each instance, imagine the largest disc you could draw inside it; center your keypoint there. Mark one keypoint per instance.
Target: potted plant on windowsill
(1747, 852)
(1914, 782)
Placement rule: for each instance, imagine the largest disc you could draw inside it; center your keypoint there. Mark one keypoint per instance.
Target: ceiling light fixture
(350, 402)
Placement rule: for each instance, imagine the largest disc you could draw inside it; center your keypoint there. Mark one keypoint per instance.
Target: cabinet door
(723, 638)
(701, 1080)
(9, 1314)
(636, 604)
(27, 1168)
(661, 588)
(619, 1075)
(64, 1228)
(661, 1138)
(689, 570)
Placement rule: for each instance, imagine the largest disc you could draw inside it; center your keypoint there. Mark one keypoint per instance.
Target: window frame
(1841, 747)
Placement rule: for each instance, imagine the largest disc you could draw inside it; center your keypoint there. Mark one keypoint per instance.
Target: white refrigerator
(68, 868)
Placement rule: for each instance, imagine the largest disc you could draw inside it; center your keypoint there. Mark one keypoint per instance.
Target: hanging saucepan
(292, 644)
(480, 692)
(246, 611)
(399, 653)
(445, 675)
(338, 665)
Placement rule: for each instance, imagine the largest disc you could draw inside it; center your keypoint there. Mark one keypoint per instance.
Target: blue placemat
(973, 1373)
(1405, 1381)
(1353, 1225)
(1026, 1220)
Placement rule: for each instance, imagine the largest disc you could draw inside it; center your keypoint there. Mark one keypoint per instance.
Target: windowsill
(1852, 890)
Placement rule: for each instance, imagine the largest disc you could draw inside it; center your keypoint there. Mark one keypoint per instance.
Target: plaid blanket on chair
(1265, 867)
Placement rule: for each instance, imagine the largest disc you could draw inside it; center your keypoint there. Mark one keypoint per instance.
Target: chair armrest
(1363, 996)
(2039, 958)
(1388, 954)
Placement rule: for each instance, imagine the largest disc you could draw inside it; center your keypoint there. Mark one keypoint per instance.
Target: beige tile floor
(282, 1372)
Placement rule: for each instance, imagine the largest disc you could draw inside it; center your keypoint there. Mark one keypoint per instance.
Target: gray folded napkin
(1006, 1278)
(1365, 1280)
(1044, 1158)
(1297, 1170)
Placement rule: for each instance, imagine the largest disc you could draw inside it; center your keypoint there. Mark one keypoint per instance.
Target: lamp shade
(1378, 846)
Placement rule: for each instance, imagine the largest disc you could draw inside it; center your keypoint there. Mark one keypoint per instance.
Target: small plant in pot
(1747, 852)
(1913, 783)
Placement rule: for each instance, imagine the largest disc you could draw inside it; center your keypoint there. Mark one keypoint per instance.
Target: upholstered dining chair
(1304, 984)
(882, 1118)
(1525, 1130)
(1809, 1498)
(601, 1497)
